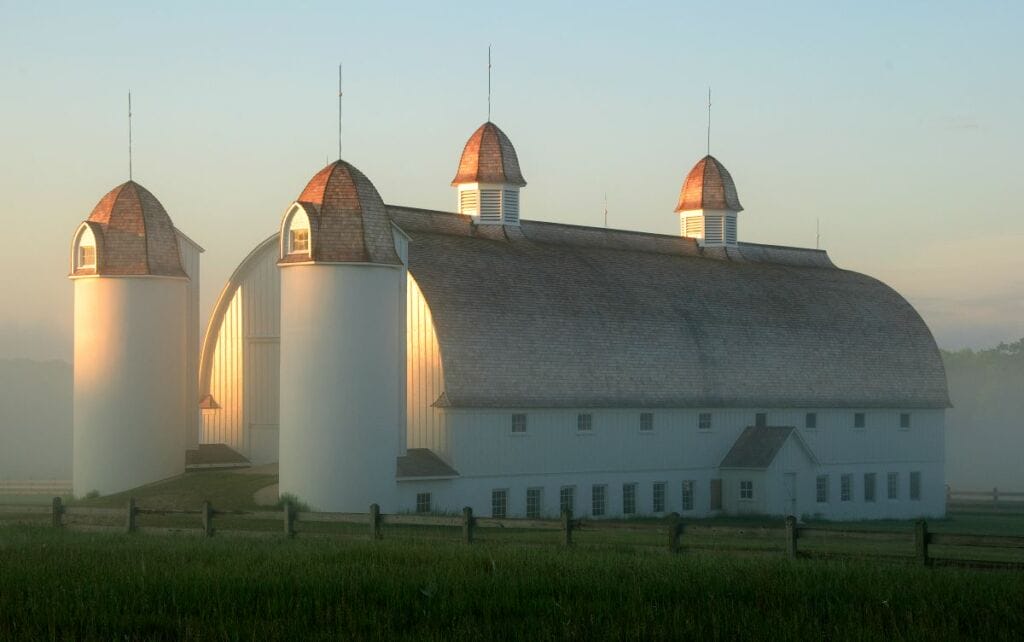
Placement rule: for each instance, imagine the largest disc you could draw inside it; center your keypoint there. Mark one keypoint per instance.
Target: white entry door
(789, 480)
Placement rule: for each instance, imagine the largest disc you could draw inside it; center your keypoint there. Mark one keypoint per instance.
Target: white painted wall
(190, 252)
(342, 367)
(129, 381)
(427, 426)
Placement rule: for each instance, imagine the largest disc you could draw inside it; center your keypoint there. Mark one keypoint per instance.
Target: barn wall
(190, 254)
(427, 426)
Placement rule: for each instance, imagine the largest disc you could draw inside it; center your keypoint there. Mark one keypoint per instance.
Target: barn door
(716, 494)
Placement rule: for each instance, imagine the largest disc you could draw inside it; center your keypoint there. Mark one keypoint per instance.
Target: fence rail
(676, 535)
(995, 498)
(35, 487)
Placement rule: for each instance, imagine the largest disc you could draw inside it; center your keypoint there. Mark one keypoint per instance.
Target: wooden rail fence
(35, 487)
(673, 529)
(995, 498)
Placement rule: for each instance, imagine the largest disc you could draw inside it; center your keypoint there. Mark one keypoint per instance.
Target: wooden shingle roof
(708, 186)
(135, 235)
(549, 315)
(756, 447)
(489, 157)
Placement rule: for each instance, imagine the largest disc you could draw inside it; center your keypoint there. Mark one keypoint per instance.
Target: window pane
(519, 423)
(659, 497)
(761, 419)
(534, 497)
(704, 421)
(811, 420)
(646, 421)
(904, 420)
(821, 487)
(597, 494)
(846, 488)
(893, 486)
(858, 420)
(915, 485)
(499, 503)
(422, 502)
(566, 499)
(688, 494)
(584, 422)
(869, 487)
(628, 499)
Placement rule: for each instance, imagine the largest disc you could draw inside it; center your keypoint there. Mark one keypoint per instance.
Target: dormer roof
(708, 186)
(489, 157)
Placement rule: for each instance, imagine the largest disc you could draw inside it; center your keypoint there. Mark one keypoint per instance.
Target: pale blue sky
(898, 124)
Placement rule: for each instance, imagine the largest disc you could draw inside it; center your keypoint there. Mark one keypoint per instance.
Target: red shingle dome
(708, 186)
(136, 235)
(489, 157)
(348, 219)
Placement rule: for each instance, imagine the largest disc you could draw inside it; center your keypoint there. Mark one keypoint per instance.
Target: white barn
(429, 360)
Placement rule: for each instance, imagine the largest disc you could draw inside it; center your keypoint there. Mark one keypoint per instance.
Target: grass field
(64, 585)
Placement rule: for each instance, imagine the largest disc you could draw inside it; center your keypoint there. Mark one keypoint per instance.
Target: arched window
(296, 237)
(83, 251)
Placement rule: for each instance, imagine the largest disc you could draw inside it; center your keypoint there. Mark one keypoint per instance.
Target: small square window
(846, 488)
(299, 241)
(811, 420)
(704, 421)
(893, 486)
(499, 503)
(598, 494)
(658, 495)
(86, 256)
(518, 423)
(422, 502)
(646, 421)
(869, 487)
(746, 489)
(915, 486)
(688, 486)
(628, 499)
(584, 422)
(821, 489)
(904, 420)
(858, 420)
(761, 419)
(567, 499)
(534, 502)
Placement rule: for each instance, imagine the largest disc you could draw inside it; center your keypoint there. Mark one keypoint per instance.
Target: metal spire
(606, 209)
(129, 135)
(339, 111)
(709, 120)
(488, 83)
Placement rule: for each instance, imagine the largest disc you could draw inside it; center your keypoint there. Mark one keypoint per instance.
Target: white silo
(342, 345)
(130, 355)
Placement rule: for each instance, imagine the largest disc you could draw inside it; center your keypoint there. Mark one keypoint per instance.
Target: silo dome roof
(138, 236)
(350, 221)
(489, 157)
(708, 186)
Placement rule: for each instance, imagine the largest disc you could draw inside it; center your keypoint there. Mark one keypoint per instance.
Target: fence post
(57, 512)
(129, 525)
(921, 542)
(791, 536)
(375, 522)
(207, 514)
(289, 519)
(567, 526)
(675, 529)
(467, 525)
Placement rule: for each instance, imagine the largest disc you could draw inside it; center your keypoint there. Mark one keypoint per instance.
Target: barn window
(296, 237)
(84, 250)
(811, 420)
(628, 499)
(567, 499)
(646, 421)
(746, 489)
(858, 420)
(688, 494)
(499, 503)
(821, 489)
(598, 499)
(761, 419)
(422, 502)
(518, 423)
(534, 502)
(869, 487)
(584, 422)
(658, 497)
(915, 486)
(893, 486)
(846, 488)
(904, 420)
(704, 421)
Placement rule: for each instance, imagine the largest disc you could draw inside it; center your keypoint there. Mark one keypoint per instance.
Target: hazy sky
(897, 124)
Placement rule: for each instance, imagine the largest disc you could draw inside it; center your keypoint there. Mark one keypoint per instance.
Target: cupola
(489, 179)
(128, 233)
(339, 218)
(708, 204)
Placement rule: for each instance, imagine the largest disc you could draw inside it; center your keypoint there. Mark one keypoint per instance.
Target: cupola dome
(489, 178)
(129, 233)
(708, 204)
(338, 218)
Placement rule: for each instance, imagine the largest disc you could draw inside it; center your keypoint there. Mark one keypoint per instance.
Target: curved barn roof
(708, 186)
(135, 233)
(489, 157)
(562, 316)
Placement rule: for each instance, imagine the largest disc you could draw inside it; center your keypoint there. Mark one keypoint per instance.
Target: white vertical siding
(427, 426)
(224, 424)
(189, 252)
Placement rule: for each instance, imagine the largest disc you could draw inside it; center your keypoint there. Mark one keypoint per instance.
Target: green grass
(62, 585)
(225, 489)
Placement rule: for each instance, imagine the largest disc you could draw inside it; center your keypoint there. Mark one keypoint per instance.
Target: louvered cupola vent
(488, 180)
(708, 205)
